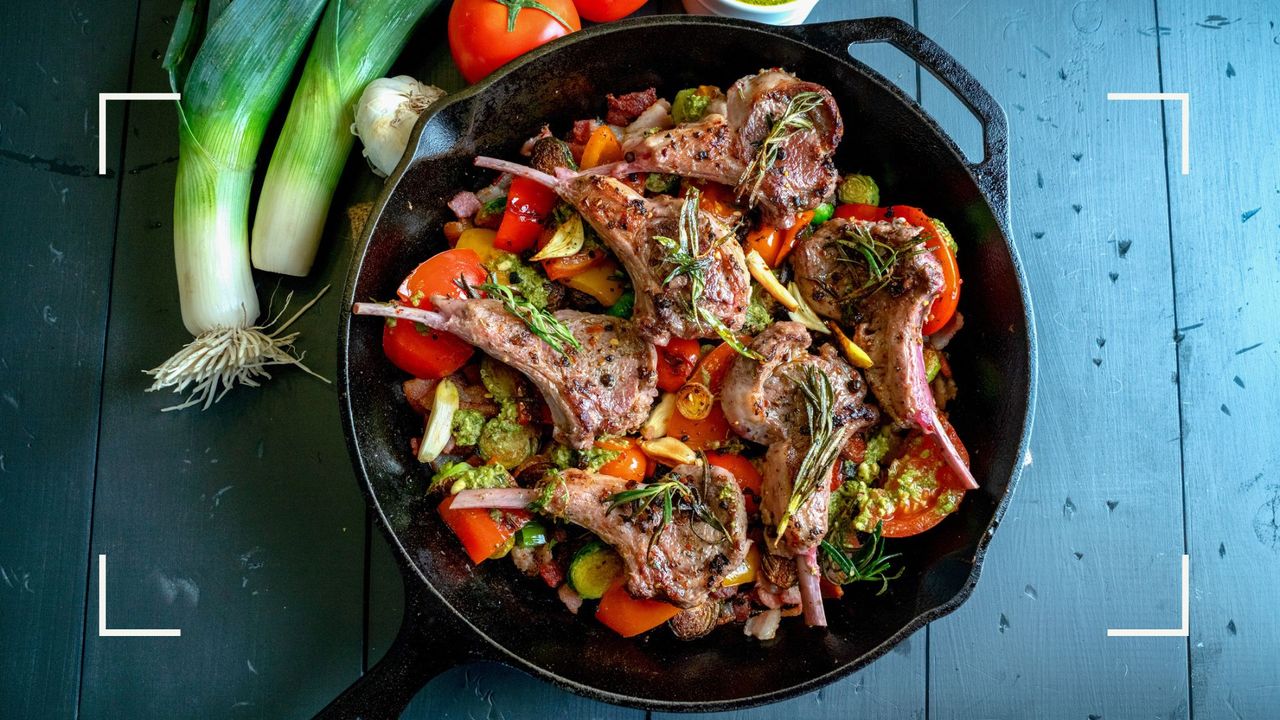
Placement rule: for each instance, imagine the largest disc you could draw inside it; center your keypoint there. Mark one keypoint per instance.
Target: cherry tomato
(927, 488)
(944, 306)
(529, 203)
(713, 366)
(744, 472)
(486, 34)
(607, 10)
(676, 361)
(631, 464)
(436, 276)
(765, 240)
(858, 211)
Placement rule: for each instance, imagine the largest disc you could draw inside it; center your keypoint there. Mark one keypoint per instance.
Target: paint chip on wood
(1244, 216)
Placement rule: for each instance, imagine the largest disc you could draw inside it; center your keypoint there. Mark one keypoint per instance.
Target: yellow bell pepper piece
(746, 572)
(852, 350)
(602, 282)
(481, 241)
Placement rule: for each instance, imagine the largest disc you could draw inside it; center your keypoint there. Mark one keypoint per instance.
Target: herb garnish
(666, 494)
(538, 320)
(687, 259)
(869, 563)
(824, 440)
(794, 119)
(862, 246)
(548, 493)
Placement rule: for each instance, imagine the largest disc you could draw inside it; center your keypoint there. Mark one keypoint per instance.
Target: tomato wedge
(924, 487)
(944, 306)
(437, 274)
(417, 349)
(629, 616)
(676, 361)
(480, 534)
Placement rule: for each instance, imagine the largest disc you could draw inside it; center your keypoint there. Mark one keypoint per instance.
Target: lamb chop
(887, 309)
(683, 560)
(604, 387)
(804, 407)
(774, 143)
(641, 232)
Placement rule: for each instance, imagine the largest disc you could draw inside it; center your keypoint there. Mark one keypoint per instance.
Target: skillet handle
(992, 173)
(426, 646)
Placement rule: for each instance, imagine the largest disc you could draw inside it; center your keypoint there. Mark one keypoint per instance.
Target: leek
(356, 43)
(229, 91)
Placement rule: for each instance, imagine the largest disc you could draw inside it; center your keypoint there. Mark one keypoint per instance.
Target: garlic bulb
(385, 115)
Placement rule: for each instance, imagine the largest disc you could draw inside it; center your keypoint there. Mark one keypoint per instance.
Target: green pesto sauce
(765, 2)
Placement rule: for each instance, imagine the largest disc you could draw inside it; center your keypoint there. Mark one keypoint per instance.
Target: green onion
(228, 92)
(356, 43)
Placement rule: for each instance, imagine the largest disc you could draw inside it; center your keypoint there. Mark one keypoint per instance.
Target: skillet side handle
(426, 646)
(992, 173)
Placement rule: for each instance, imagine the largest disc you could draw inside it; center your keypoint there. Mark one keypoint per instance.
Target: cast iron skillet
(456, 612)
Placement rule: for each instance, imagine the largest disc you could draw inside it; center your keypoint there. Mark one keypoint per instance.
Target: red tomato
(744, 472)
(937, 490)
(436, 276)
(714, 366)
(607, 10)
(944, 306)
(528, 205)
(676, 361)
(631, 464)
(486, 34)
(700, 434)
(421, 351)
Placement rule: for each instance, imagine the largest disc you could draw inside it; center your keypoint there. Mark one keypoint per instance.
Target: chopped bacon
(464, 204)
(624, 109)
(582, 130)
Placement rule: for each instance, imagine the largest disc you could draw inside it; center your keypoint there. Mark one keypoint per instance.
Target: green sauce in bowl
(765, 2)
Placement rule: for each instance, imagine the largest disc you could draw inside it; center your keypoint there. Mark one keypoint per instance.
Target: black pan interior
(886, 137)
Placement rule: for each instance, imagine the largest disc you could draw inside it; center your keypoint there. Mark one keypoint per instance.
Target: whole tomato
(607, 10)
(486, 34)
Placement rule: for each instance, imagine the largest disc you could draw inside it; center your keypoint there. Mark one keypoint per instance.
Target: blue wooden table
(1156, 434)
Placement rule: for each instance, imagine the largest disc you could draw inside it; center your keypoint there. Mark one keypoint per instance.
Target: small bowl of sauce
(772, 12)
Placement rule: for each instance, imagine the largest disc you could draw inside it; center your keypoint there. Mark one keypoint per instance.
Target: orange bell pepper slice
(480, 534)
(602, 148)
(765, 240)
(629, 616)
(744, 472)
(789, 236)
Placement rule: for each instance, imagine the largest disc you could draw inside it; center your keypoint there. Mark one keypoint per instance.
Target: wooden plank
(1225, 215)
(59, 219)
(240, 525)
(1093, 537)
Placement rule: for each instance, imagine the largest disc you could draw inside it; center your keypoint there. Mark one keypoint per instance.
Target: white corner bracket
(103, 630)
(1183, 631)
(102, 117)
(1185, 99)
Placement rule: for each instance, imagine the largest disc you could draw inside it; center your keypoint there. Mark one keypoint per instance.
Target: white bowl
(788, 13)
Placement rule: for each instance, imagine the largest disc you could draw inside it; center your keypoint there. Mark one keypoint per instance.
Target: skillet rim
(485, 644)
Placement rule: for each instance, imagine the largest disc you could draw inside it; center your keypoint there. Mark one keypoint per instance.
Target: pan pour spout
(887, 311)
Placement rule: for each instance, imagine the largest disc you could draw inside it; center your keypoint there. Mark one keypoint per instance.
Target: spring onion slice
(228, 92)
(356, 43)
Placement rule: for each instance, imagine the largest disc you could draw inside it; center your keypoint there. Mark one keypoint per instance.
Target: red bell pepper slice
(529, 204)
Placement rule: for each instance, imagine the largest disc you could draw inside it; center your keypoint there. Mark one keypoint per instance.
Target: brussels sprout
(499, 380)
(822, 213)
(690, 105)
(458, 476)
(944, 234)
(697, 621)
(506, 442)
(759, 311)
(859, 189)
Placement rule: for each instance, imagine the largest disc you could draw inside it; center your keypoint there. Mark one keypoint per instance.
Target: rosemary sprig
(824, 440)
(860, 245)
(538, 320)
(687, 259)
(667, 494)
(795, 118)
(868, 564)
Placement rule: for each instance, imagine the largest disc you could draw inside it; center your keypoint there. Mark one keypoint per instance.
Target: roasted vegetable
(593, 569)
(860, 189)
(440, 422)
(690, 105)
(458, 476)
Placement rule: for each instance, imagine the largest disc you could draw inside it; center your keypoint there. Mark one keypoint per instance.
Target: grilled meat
(688, 559)
(887, 313)
(721, 147)
(628, 223)
(604, 388)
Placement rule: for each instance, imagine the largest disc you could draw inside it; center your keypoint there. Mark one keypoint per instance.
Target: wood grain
(1225, 219)
(58, 220)
(1093, 538)
(241, 525)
